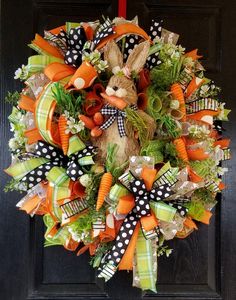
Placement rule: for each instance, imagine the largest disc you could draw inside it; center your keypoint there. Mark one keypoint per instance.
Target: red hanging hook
(122, 6)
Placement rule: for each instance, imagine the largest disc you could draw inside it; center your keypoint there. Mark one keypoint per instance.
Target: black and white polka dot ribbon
(179, 205)
(103, 31)
(76, 38)
(70, 44)
(141, 209)
(155, 31)
(73, 164)
(114, 114)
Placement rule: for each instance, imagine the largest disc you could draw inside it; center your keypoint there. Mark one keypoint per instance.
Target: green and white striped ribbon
(13, 116)
(19, 170)
(86, 160)
(117, 191)
(60, 237)
(146, 263)
(107, 271)
(75, 145)
(57, 176)
(60, 181)
(162, 211)
(37, 63)
(167, 174)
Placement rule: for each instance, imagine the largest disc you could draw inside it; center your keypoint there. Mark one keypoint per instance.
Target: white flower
(74, 126)
(198, 131)
(102, 65)
(221, 171)
(168, 252)
(17, 73)
(21, 73)
(116, 70)
(85, 180)
(13, 144)
(174, 104)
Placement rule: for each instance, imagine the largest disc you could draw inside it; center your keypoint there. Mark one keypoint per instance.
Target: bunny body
(127, 145)
(122, 86)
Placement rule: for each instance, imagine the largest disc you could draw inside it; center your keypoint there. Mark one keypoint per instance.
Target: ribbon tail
(125, 242)
(121, 126)
(127, 260)
(146, 253)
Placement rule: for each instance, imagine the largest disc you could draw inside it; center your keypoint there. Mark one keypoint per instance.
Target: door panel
(201, 266)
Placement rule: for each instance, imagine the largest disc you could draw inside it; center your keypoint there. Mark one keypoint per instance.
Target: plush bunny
(123, 87)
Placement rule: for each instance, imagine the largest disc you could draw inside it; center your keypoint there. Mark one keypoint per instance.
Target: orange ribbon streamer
(57, 71)
(126, 262)
(43, 44)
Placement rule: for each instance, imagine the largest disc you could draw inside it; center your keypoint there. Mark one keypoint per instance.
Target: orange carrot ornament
(181, 149)
(88, 122)
(64, 137)
(104, 189)
(98, 118)
(113, 171)
(178, 94)
(96, 131)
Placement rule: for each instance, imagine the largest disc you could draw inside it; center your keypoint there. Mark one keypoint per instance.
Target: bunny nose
(115, 88)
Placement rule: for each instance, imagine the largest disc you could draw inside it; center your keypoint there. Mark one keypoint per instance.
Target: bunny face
(120, 84)
(122, 87)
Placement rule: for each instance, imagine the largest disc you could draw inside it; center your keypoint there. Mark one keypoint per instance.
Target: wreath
(117, 142)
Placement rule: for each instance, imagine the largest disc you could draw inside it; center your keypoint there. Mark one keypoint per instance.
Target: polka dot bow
(72, 43)
(55, 157)
(142, 197)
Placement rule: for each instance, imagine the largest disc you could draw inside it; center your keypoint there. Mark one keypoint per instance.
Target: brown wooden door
(202, 266)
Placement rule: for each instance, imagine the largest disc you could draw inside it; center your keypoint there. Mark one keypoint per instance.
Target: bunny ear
(138, 57)
(113, 55)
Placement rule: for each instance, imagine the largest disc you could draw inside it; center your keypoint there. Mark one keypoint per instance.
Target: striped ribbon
(202, 104)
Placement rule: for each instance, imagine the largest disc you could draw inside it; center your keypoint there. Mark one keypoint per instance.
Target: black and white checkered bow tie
(114, 114)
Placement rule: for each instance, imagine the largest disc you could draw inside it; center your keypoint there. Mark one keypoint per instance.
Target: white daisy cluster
(22, 73)
(73, 126)
(167, 52)
(18, 127)
(95, 59)
(199, 132)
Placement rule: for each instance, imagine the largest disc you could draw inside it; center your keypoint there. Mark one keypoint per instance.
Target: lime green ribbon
(118, 191)
(162, 211)
(60, 238)
(146, 263)
(75, 145)
(37, 63)
(19, 170)
(70, 25)
(60, 181)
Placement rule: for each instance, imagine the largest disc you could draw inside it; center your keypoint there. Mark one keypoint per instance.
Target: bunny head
(120, 84)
